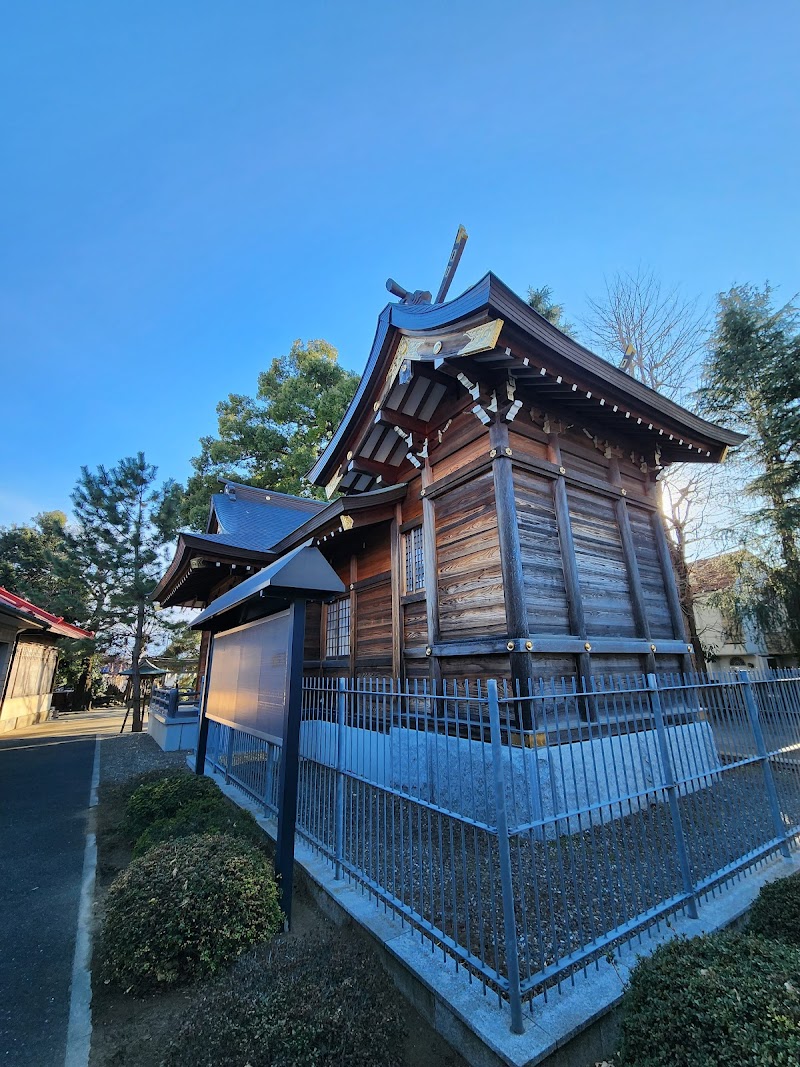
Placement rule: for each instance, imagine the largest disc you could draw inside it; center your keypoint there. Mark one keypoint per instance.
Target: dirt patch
(133, 1031)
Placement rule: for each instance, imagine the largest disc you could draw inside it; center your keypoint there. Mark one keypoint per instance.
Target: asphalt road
(44, 794)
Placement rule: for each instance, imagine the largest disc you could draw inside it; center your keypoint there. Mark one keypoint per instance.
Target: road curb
(79, 1028)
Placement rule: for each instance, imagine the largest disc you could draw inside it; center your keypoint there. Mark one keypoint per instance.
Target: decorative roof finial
(422, 296)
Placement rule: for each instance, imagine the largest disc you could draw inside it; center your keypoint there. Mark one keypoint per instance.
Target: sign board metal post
(290, 762)
(202, 725)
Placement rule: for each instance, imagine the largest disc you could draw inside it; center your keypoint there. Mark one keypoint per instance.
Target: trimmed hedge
(719, 999)
(186, 909)
(164, 798)
(209, 815)
(776, 911)
(301, 1004)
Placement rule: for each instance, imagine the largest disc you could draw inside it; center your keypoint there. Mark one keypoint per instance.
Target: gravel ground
(128, 755)
(570, 891)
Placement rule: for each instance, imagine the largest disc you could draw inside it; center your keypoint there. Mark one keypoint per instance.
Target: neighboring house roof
(715, 573)
(38, 618)
(533, 351)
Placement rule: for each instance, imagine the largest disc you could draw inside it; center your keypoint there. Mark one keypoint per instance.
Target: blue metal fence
(526, 835)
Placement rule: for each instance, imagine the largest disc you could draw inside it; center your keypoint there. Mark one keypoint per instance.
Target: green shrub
(721, 999)
(209, 815)
(313, 1003)
(164, 798)
(776, 911)
(185, 909)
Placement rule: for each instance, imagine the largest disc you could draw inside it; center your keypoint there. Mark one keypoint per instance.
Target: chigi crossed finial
(423, 296)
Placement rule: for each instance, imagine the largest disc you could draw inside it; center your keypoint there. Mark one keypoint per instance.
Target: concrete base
(548, 783)
(577, 1026)
(19, 712)
(173, 735)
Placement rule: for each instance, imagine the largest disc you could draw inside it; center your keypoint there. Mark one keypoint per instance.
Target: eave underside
(409, 422)
(196, 570)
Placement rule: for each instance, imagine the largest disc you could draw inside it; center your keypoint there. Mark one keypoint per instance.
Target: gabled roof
(38, 618)
(533, 351)
(247, 517)
(244, 525)
(301, 573)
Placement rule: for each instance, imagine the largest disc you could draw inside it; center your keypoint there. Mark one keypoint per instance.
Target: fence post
(672, 794)
(341, 719)
(758, 736)
(269, 778)
(504, 848)
(229, 755)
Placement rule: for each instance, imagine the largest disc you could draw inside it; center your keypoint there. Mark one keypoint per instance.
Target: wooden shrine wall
(595, 595)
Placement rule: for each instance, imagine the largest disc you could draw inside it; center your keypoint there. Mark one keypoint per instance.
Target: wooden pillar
(397, 592)
(516, 607)
(640, 619)
(290, 757)
(670, 585)
(353, 614)
(431, 574)
(569, 561)
(202, 725)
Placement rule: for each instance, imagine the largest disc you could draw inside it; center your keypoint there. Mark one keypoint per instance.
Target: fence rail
(171, 703)
(527, 834)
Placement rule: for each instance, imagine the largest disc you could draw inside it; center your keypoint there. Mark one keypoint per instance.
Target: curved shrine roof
(524, 347)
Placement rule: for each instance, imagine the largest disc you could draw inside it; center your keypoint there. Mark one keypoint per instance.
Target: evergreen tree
(752, 378)
(541, 300)
(125, 525)
(38, 562)
(273, 439)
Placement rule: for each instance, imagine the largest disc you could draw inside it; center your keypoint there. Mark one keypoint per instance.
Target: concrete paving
(45, 780)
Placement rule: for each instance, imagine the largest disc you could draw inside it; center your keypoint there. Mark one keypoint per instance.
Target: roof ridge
(272, 493)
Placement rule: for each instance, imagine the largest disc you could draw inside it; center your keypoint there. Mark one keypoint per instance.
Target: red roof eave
(52, 622)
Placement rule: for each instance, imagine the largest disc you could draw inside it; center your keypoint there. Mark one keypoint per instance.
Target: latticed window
(414, 560)
(337, 630)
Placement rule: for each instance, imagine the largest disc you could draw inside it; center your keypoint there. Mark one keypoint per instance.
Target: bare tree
(658, 335)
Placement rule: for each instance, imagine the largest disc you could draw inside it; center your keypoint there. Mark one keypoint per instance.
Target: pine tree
(125, 524)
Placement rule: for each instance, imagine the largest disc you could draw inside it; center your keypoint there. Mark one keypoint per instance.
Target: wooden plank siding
(653, 587)
(568, 506)
(415, 624)
(605, 591)
(545, 592)
(373, 626)
(469, 579)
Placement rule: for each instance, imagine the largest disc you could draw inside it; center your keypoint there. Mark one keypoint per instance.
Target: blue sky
(187, 187)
